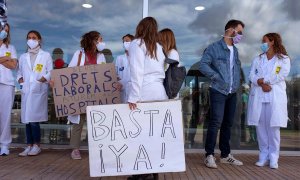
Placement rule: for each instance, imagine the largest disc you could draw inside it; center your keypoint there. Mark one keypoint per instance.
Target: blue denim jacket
(215, 64)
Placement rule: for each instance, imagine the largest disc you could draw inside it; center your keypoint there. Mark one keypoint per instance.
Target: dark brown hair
(167, 40)
(278, 47)
(146, 30)
(233, 24)
(131, 37)
(6, 40)
(37, 34)
(88, 41)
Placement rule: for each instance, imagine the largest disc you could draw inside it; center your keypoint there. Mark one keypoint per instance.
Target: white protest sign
(146, 140)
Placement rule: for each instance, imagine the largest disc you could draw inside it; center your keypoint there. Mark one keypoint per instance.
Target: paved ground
(56, 164)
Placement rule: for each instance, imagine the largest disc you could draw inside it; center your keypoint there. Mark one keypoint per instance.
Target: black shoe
(134, 177)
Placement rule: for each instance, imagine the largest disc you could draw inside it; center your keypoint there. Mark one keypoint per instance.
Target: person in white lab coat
(267, 106)
(146, 59)
(122, 67)
(8, 62)
(34, 74)
(92, 44)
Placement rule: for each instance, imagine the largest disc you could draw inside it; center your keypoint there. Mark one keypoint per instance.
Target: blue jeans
(222, 110)
(33, 133)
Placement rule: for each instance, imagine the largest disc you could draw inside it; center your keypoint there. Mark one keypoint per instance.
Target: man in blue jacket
(221, 64)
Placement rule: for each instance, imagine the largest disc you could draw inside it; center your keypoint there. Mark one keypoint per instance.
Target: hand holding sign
(77, 87)
(148, 139)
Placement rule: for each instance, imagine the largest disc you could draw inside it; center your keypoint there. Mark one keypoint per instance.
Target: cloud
(62, 23)
(260, 18)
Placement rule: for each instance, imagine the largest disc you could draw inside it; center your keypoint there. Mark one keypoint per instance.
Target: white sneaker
(274, 165)
(35, 150)
(262, 163)
(4, 151)
(210, 162)
(231, 160)
(25, 152)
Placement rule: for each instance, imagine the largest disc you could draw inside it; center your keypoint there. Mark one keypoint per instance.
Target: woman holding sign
(146, 59)
(8, 62)
(34, 74)
(92, 45)
(267, 107)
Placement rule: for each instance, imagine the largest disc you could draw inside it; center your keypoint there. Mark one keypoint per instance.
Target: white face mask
(100, 46)
(126, 45)
(32, 43)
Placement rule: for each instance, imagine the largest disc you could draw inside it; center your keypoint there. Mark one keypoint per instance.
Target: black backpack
(174, 77)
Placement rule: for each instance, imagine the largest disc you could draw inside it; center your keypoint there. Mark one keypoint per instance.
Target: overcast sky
(62, 22)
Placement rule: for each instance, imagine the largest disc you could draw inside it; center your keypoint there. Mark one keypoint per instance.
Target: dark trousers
(33, 133)
(222, 109)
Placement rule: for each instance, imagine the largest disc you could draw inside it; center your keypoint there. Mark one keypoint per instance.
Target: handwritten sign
(146, 140)
(81, 86)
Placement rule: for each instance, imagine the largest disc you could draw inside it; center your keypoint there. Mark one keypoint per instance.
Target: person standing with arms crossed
(221, 64)
(8, 62)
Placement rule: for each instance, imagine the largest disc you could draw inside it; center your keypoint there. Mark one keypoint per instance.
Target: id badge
(8, 54)
(278, 69)
(38, 68)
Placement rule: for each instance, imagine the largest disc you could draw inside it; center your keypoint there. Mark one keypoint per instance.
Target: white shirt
(6, 75)
(173, 54)
(267, 68)
(74, 60)
(231, 66)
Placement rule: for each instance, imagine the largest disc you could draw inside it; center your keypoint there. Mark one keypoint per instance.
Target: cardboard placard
(146, 140)
(75, 88)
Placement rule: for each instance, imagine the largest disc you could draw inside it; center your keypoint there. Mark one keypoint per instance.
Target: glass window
(195, 30)
(62, 22)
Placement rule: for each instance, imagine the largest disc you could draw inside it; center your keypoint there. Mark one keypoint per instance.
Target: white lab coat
(6, 75)
(278, 97)
(123, 72)
(34, 93)
(146, 74)
(100, 60)
(7, 88)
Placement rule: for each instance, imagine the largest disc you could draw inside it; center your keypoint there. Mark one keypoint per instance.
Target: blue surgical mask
(264, 47)
(3, 34)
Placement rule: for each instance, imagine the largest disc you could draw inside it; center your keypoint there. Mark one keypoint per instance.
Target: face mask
(264, 47)
(32, 43)
(100, 46)
(236, 39)
(126, 45)
(3, 34)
